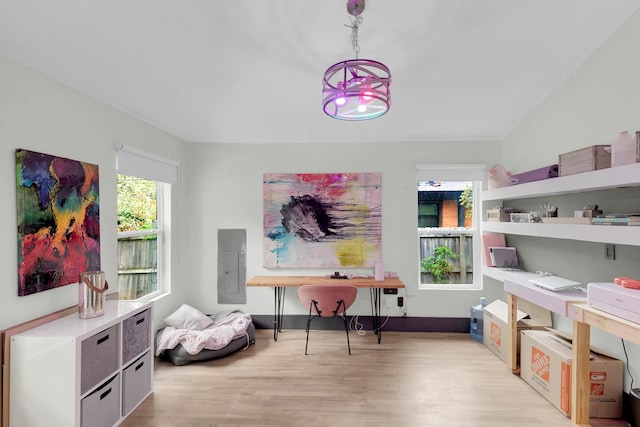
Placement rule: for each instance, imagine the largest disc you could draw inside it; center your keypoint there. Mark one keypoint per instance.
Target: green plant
(136, 203)
(438, 264)
(466, 201)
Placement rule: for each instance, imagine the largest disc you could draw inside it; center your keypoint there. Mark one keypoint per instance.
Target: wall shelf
(616, 234)
(603, 179)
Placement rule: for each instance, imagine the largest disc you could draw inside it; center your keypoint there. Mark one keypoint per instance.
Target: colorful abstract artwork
(58, 221)
(322, 220)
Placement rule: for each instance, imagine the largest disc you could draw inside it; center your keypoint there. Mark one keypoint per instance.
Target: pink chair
(327, 300)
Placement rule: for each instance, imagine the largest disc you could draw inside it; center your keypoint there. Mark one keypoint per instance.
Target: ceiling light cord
(353, 37)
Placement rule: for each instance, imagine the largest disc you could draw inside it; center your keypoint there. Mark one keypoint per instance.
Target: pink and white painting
(322, 220)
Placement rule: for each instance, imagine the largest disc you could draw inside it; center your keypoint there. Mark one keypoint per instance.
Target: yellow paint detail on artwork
(353, 253)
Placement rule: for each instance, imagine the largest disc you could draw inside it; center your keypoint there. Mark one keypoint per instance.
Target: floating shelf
(603, 179)
(616, 234)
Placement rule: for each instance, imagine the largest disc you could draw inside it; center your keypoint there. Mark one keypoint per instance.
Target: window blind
(471, 172)
(135, 162)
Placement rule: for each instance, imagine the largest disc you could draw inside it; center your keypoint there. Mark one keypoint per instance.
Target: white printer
(615, 299)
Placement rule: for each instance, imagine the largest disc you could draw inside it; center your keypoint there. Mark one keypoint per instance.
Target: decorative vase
(91, 294)
(623, 150)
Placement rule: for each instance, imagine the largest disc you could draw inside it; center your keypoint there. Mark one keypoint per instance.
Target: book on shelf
(616, 219)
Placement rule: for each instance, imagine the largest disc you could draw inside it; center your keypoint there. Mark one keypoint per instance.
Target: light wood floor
(410, 379)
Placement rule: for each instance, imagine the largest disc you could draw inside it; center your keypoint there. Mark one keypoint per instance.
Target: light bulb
(362, 108)
(341, 101)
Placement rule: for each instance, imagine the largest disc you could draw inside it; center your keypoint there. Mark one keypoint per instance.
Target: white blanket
(214, 337)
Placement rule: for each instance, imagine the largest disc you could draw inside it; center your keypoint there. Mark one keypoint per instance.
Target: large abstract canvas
(58, 221)
(322, 220)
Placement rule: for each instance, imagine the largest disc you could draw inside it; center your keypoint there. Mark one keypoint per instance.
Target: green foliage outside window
(438, 264)
(466, 201)
(136, 204)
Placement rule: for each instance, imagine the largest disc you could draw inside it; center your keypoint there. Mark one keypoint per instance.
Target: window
(448, 226)
(139, 231)
(144, 195)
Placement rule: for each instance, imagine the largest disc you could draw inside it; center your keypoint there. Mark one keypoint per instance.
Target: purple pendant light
(356, 89)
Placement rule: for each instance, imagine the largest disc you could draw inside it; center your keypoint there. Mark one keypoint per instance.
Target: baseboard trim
(392, 323)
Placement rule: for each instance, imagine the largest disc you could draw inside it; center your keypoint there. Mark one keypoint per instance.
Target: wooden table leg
(512, 322)
(580, 382)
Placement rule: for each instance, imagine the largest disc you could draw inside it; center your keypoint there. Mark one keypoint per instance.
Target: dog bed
(179, 356)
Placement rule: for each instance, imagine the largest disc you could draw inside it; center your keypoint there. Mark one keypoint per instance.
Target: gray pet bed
(179, 356)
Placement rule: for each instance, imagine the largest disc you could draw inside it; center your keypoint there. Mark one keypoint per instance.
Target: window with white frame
(144, 194)
(449, 239)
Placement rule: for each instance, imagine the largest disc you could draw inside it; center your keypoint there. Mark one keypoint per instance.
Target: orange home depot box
(546, 366)
(496, 331)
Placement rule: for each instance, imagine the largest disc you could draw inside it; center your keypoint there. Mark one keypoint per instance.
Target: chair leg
(346, 329)
(346, 325)
(308, 325)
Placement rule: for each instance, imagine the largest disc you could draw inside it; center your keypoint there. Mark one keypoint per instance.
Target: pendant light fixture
(356, 89)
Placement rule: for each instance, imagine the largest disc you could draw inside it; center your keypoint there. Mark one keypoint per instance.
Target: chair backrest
(327, 297)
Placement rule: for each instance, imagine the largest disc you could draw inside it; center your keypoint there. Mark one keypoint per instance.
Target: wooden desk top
(296, 281)
(611, 323)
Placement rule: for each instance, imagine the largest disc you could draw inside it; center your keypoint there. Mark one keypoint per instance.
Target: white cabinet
(603, 179)
(83, 372)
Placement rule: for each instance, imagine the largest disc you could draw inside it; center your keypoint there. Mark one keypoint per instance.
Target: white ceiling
(242, 71)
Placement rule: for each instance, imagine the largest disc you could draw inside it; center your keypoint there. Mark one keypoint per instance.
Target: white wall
(600, 99)
(42, 115)
(226, 183)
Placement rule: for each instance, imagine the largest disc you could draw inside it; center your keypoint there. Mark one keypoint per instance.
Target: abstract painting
(58, 221)
(322, 220)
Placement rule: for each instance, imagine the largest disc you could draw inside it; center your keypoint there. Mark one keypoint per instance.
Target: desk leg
(278, 297)
(580, 382)
(375, 312)
(512, 327)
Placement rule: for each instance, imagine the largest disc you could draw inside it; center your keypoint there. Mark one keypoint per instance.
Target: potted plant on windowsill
(438, 264)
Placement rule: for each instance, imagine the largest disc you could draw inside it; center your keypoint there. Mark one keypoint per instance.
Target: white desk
(517, 285)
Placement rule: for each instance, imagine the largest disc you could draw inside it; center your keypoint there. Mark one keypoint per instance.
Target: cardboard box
(584, 160)
(498, 215)
(546, 366)
(496, 330)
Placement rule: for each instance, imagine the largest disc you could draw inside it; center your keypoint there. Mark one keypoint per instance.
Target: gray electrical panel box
(232, 266)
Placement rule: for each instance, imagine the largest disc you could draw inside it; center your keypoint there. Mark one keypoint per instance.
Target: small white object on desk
(554, 283)
(379, 271)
